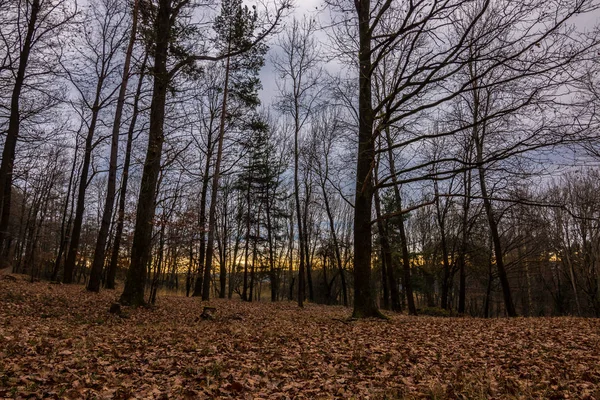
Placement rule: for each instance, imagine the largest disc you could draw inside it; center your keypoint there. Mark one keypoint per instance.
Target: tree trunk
(487, 204)
(446, 279)
(159, 262)
(246, 247)
(406, 279)
(212, 217)
(100, 250)
(188, 277)
(291, 250)
(463, 244)
(336, 247)
(21, 234)
(83, 183)
(478, 135)
(307, 258)
(384, 282)
(253, 265)
(364, 301)
(12, 134)
(272, 273)
(64, 236)
(114, 259)
(301, 238)
(488, 291)
(203, 195)
(387, 257)
(223, 261)
(233, 270)
(133, 293)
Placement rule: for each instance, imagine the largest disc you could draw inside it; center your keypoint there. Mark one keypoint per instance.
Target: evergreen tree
(235, 28)
(261, 181)
(171, 40)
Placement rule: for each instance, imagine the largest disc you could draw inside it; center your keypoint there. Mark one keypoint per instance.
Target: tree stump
(208, 313)
(115, 308)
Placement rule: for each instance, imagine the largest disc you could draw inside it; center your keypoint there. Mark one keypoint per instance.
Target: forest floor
(59, 341)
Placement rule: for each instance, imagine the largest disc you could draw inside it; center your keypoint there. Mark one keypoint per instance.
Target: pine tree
(235, 28)
(260, 180)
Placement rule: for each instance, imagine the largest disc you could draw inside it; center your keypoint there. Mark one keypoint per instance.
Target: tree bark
(272, 273)
(100, 250)
(247, 245)
(159, 262)
(462, 261)
(64, 235)
(305, 231)
(212, 217)
(83, 183)
(406, 279)
(254, 254)
(506, 292)
(291, 250)
(364, 301)
(387, 257)
(133, 293)
(223, 255)
(446, 279)
(12, 134)
(489, 212)
(301, 253)
(203, 195)
(114, 259)
(336, 247)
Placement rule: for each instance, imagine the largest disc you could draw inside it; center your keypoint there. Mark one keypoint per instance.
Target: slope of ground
(59, 341)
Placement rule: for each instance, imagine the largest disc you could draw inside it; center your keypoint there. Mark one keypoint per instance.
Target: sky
(267, 74)
(305, 7)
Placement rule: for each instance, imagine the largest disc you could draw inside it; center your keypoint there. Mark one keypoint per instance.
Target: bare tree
(103, 38)
(325, 131)
(299, 69)
(41, 19)
(100, 251)
(168, 61)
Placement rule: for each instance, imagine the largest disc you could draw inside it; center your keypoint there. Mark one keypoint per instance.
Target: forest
(412, 156)
(309, 199)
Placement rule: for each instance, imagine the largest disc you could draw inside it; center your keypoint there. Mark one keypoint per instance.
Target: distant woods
(414, 156)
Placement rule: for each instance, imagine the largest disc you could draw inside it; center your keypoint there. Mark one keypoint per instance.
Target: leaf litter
(60, 342)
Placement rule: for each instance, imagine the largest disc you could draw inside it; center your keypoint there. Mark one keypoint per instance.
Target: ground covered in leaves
(59, 341)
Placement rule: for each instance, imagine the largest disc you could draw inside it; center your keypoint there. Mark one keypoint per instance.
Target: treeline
(415, 156)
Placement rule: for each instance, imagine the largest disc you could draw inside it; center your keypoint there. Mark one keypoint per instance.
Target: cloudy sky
(308, 7)
(267, 74)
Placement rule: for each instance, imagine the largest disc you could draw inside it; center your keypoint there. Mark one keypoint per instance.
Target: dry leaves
(61, 342)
